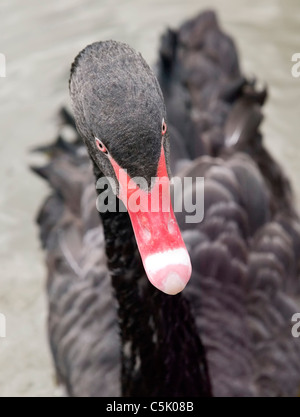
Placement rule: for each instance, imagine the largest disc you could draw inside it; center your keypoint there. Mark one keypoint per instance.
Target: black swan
(228, 333)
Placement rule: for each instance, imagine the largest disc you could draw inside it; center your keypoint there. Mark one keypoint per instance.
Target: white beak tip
(173, 284)
(169, 271)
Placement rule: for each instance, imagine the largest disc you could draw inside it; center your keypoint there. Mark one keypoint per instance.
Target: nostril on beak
(145, 229)
(147, 233)
(172, 226)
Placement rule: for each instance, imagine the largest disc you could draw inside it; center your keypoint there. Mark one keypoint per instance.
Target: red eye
(164, 127)
(100, 145)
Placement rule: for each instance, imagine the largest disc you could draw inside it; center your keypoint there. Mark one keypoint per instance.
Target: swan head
(120, 113)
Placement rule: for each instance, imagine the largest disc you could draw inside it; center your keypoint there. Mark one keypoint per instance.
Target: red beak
(164, 255)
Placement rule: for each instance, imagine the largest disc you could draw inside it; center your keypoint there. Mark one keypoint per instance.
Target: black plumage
(229, 332)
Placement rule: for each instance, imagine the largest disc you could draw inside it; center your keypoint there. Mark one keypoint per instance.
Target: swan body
(229, 332)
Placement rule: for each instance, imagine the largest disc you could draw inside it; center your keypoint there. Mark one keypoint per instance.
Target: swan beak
(162, 249)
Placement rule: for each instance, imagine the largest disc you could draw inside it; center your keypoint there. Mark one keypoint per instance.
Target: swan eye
(164, 127)
(100, 145)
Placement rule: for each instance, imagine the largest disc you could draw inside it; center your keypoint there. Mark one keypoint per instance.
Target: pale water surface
(40, 40)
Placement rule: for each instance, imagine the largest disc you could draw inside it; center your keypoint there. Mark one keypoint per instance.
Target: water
(40, 41)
